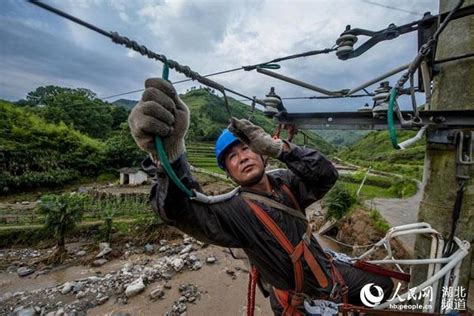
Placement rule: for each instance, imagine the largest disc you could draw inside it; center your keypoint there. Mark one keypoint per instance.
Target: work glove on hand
(161, 113)
(259, 141)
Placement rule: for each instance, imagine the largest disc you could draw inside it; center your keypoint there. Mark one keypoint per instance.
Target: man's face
(243, 165)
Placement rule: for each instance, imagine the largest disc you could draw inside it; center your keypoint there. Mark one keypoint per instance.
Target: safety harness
(292, 299)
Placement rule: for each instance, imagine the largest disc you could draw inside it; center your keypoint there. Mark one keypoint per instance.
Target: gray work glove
(160, 112)
(259, 141)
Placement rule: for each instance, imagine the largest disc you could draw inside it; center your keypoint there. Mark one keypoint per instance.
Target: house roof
(129, 170)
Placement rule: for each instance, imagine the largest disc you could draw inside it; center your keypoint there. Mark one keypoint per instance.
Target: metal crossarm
(365, 120)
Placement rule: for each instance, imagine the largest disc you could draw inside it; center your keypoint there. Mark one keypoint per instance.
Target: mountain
(209, 116)
(375, 149)
(128, 104)
(341, 138)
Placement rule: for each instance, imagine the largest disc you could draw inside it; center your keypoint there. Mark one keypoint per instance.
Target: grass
(379, 222)
(370, 191)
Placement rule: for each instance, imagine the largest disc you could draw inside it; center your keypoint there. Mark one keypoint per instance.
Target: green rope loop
(169, 170)
(391, 128)
(160, 149)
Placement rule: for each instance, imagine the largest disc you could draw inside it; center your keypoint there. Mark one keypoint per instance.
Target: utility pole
(453, 89)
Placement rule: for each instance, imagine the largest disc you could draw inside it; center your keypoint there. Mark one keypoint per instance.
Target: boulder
(24, 271)
(135, 287)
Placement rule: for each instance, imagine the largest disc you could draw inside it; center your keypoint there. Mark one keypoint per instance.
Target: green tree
(121, 149)
(79, 108)
(62, 213)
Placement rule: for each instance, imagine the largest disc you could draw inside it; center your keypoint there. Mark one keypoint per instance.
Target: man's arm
(311, 175)
(225, 224)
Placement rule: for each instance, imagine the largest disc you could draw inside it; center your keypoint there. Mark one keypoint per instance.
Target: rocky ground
(167, 278)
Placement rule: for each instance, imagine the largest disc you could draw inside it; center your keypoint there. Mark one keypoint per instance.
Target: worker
(265, 217)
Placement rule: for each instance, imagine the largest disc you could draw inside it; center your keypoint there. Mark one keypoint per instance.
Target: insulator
(273, 103)
(382, 94)
(345, 45)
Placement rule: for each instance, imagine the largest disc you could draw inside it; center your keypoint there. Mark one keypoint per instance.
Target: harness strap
(272, 203)
(253, 279)
(370, 267)
(282, 240)
(338, 281)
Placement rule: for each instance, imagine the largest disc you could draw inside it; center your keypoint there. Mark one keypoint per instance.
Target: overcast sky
(39, 48)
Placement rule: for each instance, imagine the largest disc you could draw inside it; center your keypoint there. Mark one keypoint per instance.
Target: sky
(38, 48)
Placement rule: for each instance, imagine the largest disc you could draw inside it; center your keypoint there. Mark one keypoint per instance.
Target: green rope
(161, 149)
(391, 128)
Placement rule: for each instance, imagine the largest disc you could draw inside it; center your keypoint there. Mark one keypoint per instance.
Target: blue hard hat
(224, 142)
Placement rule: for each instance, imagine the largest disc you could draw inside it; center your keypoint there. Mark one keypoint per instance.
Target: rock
(211, 259)
(163, 242)
(229, 271)
(188, 240)
(99, 262)
(29, 311)
(6, 297)
(149, 248)
(135, 287)
(81, 253)
(80, 295)
(102, 300)
(196, 265)
(167, 286)
(25, 203)
(79, 286)
(24, 271)
(179, 307)
(104, 249)
(157, 293)
(163, 248)
(186, 249)
(177, 264)
(59, 312)
(67, 287)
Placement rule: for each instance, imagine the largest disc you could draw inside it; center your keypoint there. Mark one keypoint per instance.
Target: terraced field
(201, 155)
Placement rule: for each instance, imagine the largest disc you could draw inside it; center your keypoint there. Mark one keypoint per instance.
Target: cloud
(208, 36)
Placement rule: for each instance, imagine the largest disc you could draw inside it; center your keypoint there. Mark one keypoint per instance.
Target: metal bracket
(465, 145)
(454, 119)
(393, 31)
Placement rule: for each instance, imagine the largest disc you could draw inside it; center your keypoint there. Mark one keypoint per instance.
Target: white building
(132, 176)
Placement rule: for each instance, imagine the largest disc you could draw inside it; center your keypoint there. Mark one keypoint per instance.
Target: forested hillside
(376, 150)
(58, 135)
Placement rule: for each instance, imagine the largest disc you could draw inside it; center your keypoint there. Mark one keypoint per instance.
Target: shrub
(403, 187)
(379, 222)
(338, 201)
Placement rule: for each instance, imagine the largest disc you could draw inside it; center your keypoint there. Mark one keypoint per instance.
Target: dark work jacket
(232, 223)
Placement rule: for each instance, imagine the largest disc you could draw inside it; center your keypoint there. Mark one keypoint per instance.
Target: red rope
(253, 277)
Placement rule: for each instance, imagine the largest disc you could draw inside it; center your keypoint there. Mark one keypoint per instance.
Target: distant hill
(128, 104)
(341, 138)
(209, 116)
(375, 150)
